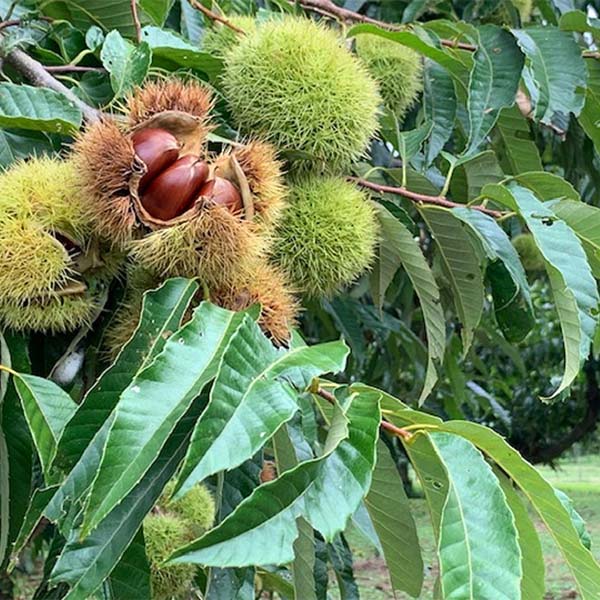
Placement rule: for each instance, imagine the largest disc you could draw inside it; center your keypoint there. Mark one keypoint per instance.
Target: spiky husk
(327, 235)
(54, 315)
(529, 253)
(215, 246)
(267, 285)
(191, 97)
(163, 533)
(219, 39)
(397, 69)
(41, 202)
(105, 155)
(294, 83)
(263, 171)
(47, 191)
(197, 508)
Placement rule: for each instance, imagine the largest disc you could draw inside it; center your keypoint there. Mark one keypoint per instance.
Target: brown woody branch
(215, 17)
(328, 8)
(385, 425)
(73, 69)
(35, 72)
(423, 198)
(587, 424)
(136, 21)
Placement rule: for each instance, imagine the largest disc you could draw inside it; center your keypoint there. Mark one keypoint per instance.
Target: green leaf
(304, 547)
(573, 286)
(398, 248)
(176, 51)
(84, 565)
(584, 220)
(37, 108)
(131, 577)
(540, 493)
(439, 105)
(418, 40)
(47, 409)
(514, 146)
(161, 314)
(389, 509)
(157, 10)
(577, 20)
(431, 474)
(554, 73)
(340, 557)
(325, 491)
(20, 144)
(35, 508)
(127, 64)
(16, 456)
(547, 186)
(107, 14)
(254, 393)
(532, 558)
(510, 290)
(462, 267)
(494, 81)
(590, 114)
(410, 142)
(476, 172)
(475, 512)
(156, 399)
(576, 519)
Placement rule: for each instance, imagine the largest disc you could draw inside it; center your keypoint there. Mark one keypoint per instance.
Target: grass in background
(579, 478)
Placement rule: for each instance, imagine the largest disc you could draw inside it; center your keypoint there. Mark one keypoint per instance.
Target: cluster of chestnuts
(172, 183)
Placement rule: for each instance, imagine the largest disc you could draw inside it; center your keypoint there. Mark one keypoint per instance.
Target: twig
(215, 17)
(136, 21)
(389, 427)
(423, 198)
(590, 54)
(73, 69)
(328, 8)
(16, 22)
(35, 72)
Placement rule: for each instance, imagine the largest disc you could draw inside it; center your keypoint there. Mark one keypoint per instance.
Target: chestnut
(173, 191)
(222, 191)
(157, 148)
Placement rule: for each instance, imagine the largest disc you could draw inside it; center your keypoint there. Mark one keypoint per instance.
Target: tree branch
(215, 17)
(35, 72)
(385, 425)
(327, 7)
(136, 21)
(587, 425)
(423, 198)
(73, 69)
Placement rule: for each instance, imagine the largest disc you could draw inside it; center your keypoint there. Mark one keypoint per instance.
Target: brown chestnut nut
(173, 192)
(222, 191)
(158, 149)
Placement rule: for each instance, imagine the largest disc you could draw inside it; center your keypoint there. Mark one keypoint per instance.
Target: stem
(16, 22)
(215, 17)
(136, 21)
(422, 198)
(73, 69)
(447, 181)
(35, 72)
(385, 425)
(8, 370)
